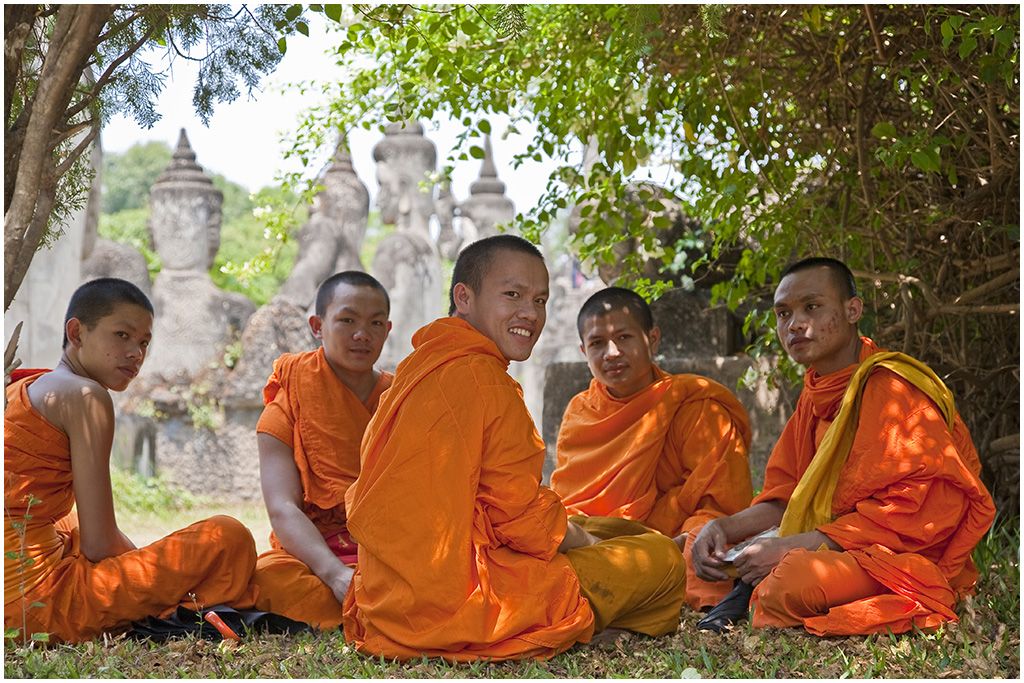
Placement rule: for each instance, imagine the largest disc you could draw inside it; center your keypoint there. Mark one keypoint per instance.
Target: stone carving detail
(487, 206)
(194, 319)
(407, 262)
(332, 238)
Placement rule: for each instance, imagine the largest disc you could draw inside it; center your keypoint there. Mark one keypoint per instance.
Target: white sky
(243, 140)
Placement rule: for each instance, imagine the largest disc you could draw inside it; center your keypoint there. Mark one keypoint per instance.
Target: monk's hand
(709, 551)
(758, 559)
(339, 581)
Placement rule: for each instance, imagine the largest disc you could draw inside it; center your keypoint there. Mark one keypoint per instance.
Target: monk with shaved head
(318, 404)
(653, 450)
(462, 553)
(75, 577)
(872, 501)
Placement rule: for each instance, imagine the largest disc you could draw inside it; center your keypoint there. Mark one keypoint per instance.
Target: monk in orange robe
(77, 576)
(668, 451)
(462, 553)
(874, 483)
(318, 404)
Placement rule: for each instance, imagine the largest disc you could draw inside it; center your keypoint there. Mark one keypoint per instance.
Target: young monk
(874, 483)
(462, 553)
(75, 578)
(668, 451)
(318, 404)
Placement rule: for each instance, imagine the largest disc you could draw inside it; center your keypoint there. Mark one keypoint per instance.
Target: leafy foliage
(69, 67)
(885, 135)
(127, 177)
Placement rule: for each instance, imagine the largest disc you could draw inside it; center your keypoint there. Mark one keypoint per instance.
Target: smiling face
(816, 324)
(353, 328)
(619, 352)
(510, 307)
(111, 352)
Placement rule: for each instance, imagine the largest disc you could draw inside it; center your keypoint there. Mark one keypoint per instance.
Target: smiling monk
(668, 451)
(72, 576)
(318, 404)
(874, 484)
(462, 553)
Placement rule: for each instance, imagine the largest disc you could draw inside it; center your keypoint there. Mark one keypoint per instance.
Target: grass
(984, 644)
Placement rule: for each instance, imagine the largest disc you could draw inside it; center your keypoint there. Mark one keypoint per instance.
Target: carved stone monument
(407, 262)
(487, 206)
(333, 236)
(194, 319)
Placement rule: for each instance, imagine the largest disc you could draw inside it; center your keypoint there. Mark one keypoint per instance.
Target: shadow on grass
(984, 644)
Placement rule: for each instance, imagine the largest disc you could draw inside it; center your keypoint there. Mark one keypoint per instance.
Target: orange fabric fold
(51, 587)
(458, 541)
(672, 456)
(322, 421)
(906, 466)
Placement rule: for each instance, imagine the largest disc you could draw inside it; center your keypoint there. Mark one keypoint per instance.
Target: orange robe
(322, 421)
(671, 456)
(51, 587)
(458, 542)
(908, 510)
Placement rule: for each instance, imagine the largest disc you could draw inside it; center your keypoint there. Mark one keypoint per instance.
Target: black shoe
(732, 609)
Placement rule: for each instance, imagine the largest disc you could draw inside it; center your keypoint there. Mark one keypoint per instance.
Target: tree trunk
(75, 36)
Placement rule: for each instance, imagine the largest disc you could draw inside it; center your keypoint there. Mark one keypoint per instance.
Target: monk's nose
(612, 351)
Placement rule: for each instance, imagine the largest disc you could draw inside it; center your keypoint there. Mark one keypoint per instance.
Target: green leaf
(431, 66)
(468, 27)
(884, 130)
(11, 633)
(282, 44)
(967, 46)
(476, 152)
(333, 12)
(485, 126)
(41, 637)
(925, 161)
(303, 28)
(412, 42)
(293, 12)
(947, 33)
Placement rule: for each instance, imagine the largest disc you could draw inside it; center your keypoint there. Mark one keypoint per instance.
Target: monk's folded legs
(634, 582)
(288, 587)
(809, 583)
(208, 563)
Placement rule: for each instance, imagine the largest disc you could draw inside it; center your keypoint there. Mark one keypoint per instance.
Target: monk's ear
(854, 310)
(73, 330)
(654, 338)
(463, 297)
(316, 324)
(388, 329)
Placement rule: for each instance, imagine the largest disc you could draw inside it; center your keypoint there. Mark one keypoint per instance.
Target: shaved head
(616, 298)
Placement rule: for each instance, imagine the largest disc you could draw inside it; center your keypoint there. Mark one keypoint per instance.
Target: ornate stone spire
(183, 166)
(488, 182)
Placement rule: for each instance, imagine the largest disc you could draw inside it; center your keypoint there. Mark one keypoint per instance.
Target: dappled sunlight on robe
(208, 563)
(313, 412)
(672, 456)
(457, 539)
(909, 507)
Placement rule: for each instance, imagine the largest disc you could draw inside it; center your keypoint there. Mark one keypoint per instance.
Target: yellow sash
(811, 503)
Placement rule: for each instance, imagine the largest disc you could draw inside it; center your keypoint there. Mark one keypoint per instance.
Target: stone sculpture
(407, 262)
(333, 236)
(487, 206)
(194, 318)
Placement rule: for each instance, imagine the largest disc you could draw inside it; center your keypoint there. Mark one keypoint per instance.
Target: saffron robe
(458, 541)
(908, 509)
(672, 456)
(322, 421)
(51, 587)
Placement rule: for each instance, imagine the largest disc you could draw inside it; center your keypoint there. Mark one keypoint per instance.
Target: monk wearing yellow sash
(650, 449)
(874, 484)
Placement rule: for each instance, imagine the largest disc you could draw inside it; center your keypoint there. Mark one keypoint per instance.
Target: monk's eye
(378, 323)
(541, 302)
(781, 315)
(145, 344)
(512, 295)
(122, 335)
(345, 320)
(811, 307)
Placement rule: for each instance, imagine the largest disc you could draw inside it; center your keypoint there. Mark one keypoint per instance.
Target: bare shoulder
(61, 397)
